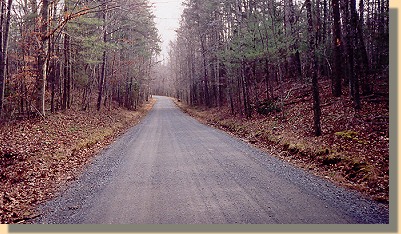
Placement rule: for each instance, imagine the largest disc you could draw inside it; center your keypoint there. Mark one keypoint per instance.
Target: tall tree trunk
(66, 72)
(313, 68)
(42, 59)
(246, 85)
(54, 48)
(2, 59)
(222, 84)
(205, 73)
(104, 60)
(267, 77)
(325, 20)
(365, 84)
(3, 51)
(350, 44)
(337, 41)
(354, 27)
(66, 58)
(52, 76)
(383, 38)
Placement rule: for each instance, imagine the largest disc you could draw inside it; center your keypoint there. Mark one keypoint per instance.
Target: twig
(40, 114)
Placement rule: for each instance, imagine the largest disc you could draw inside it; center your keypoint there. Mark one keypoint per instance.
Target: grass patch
(296, 148)
(323, 151)
(347, 134)
(74, 129)
(350, 135)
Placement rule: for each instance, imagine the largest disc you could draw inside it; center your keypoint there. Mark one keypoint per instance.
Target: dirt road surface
(172, 169)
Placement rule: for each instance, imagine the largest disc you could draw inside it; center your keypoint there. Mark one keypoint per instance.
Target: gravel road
(172, 169)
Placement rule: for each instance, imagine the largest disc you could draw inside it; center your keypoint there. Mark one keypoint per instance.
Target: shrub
(267, 106)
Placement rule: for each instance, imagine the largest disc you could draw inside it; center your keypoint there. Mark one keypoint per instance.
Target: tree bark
(313, 66)
(354, 27)
(66, 72)
(337, 41)
(3, 51)
(42, 60)
(104, 60)
(205, 73)
(2, 59)
(367, 88)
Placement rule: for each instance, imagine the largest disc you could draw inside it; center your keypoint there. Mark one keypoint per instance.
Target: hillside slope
(38, 157)
(353, 150)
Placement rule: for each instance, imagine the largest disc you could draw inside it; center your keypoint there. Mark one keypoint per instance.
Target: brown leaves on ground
(38, 156)
(354, 148)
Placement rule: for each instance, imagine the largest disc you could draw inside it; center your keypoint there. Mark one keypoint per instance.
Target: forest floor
(353, 150)
(39, 156)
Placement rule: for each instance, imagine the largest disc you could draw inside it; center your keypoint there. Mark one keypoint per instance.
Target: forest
(238, 53)
(74, 75)
(308, 81)
(58, 54)
(305, 80)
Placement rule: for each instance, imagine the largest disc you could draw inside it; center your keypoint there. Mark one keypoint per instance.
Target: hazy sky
(168, 13)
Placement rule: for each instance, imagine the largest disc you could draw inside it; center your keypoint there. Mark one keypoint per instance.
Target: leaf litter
(39, 156)
(352, 152)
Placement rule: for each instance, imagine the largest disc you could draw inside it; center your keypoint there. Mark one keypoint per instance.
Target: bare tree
(338, 43)
(4, 26)
(313, 70)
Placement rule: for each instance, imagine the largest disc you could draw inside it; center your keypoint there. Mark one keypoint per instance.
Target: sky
(168, 13)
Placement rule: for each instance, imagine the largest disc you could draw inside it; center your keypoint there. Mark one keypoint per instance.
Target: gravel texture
(172, 169)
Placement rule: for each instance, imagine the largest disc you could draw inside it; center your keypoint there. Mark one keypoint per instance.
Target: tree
(104, 57)
(351, 21)
(313, 69)
(4, 26)
(61, 50)
(248, 52)
(42, 58)
(66, 103)
(337, 43)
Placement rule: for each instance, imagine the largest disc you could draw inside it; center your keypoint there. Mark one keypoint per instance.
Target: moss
(362, 142)
(348, 135)
(295, 148)
(274, 139)
(323, 151)
(74, 129)
(351, 135)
